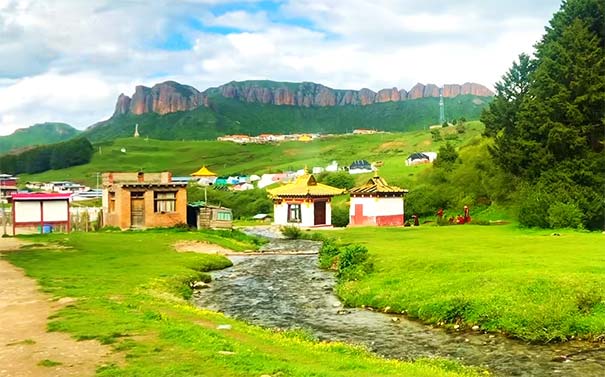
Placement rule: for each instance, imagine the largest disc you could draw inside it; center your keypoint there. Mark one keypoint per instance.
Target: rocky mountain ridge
(170, 96)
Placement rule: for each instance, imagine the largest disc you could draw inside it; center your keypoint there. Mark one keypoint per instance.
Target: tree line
(545, 133)
(55, 156)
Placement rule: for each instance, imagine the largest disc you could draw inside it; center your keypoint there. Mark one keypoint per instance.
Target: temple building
(204, 176)
(377, 203)
(303, 203)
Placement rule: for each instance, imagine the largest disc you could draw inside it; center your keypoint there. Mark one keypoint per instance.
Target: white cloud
(67, 60)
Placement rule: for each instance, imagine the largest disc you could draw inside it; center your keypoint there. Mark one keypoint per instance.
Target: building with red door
(303, 203)
(377, 203)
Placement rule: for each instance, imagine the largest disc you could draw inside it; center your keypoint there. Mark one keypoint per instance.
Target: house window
(294, 213)
(112, 202)
(165, 201)
(223, 216)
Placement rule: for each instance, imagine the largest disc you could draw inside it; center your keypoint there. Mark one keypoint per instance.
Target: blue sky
(68, 60)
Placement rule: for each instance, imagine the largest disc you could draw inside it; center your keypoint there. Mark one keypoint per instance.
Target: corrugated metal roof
(305, 185)
(377, 185)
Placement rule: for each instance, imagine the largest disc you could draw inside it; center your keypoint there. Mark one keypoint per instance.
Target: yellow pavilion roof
(303, 186)
(203, 172)
(377, 185)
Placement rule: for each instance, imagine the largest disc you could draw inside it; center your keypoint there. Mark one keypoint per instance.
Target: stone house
(143, 200)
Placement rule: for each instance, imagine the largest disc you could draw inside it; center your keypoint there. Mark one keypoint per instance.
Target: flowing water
(290, 291)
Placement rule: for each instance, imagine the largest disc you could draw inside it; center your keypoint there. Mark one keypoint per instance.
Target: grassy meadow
(528, 284)
(130, 289)
(224, 158)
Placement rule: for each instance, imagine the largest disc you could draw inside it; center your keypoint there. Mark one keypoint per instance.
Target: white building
(303, 203)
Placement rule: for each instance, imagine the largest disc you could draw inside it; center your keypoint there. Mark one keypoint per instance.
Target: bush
(291, 232)
(340, 216)
(339, 179)
(352, 263)
(327, 254)
(564, 215)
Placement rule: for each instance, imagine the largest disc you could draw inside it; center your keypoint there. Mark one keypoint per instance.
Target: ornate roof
(377, 185)
(203, 172)
(303, 186)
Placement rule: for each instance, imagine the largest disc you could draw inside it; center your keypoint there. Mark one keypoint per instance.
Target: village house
(377, 203)
(419, 158)
(143, 200)
(303, 203)
(239, 139)
(363, 131)
(360, 166)
(8, 186)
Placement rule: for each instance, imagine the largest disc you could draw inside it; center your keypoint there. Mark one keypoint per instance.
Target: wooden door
(137, 210)
(320, 213)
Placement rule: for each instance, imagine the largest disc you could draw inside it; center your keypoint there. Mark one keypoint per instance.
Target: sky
(68, 60)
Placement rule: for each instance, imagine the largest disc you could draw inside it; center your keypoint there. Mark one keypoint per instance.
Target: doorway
(137, 209)
(320, 213)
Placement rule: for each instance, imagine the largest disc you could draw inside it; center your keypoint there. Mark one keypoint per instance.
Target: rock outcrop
(164, 98)
(170, 96)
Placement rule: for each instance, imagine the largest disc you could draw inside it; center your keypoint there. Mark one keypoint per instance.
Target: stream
(290, 291)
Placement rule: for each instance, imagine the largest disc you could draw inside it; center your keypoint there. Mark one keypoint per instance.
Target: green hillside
(184, 157)
(38, 134)
(229, 116)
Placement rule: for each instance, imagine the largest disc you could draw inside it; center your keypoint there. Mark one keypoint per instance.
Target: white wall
(377, 206)
(280, 214)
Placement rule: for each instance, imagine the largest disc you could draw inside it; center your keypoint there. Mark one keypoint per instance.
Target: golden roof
(305, 185)
(377, 185)
(203, 172)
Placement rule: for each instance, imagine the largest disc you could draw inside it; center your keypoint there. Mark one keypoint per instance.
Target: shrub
(340, 216)
(564, 215)
(339, 179)
(291, 232)
(327, 254)
(352, 263)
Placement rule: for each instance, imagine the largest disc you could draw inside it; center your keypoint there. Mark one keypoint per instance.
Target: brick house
(143, 200)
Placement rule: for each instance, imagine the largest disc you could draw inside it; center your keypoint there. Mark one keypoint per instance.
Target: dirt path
(24, 342)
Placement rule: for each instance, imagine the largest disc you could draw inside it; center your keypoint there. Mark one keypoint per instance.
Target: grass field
(185, 157)
(528, 284)
(129, 290)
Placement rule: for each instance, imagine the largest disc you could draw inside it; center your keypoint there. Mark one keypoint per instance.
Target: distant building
(363, 131)
(143, 200)
(8, 186)
(377, 203)
(360, 166)
(204, 176)
(419, 158)
(303, 203)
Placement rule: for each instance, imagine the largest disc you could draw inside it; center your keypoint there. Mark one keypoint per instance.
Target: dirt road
(26, 349)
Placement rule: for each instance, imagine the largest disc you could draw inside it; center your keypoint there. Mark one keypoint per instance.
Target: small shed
(203, 216)
(41, 212)
(303, 203)
(377, 203)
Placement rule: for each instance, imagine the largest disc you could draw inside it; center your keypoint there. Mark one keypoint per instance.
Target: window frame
(164, 204)
(297, 209)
